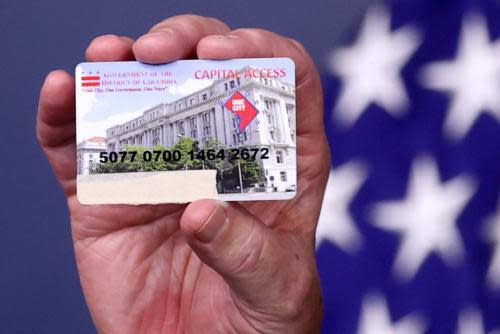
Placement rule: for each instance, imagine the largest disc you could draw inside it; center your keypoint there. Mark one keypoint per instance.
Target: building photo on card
(182, 131)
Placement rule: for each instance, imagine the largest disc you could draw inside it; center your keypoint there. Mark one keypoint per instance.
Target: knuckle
(55, 75)
(299, 46)
(191, 22)
(187, 20)
(104, 39)
(99, 42)
(255, 35)
(222, 26)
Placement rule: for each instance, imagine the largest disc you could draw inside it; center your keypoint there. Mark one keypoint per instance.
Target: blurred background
(409, 235)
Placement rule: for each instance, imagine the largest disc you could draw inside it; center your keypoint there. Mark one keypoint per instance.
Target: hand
(208, 267)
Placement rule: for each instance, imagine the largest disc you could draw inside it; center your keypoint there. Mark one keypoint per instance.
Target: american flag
(409, 235)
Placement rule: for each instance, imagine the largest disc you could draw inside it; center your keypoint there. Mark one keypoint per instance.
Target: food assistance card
(182, 131)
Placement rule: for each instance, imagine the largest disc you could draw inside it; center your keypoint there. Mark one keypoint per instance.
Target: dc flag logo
(91, 80)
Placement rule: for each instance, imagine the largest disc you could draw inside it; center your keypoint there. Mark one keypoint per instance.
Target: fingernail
(213, 225)
(224, 37)
(165, 32)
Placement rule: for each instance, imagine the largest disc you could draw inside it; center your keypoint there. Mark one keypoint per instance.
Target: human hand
(208, 267)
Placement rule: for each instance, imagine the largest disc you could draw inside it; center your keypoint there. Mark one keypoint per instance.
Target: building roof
(97, 139)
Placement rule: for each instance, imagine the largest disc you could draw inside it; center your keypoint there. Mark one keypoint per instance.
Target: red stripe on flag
(90, 84)
(91, 78)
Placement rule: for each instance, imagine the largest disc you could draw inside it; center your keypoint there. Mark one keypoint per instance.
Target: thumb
(243, 250)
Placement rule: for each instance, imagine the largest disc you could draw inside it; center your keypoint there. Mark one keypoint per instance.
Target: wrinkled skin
(206, 267)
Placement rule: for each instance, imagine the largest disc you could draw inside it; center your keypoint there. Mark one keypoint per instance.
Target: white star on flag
(375, 319)
(471, 322)
(371, 69)
(426, 219)
(335, 222)
(493, 234)
(472, 80)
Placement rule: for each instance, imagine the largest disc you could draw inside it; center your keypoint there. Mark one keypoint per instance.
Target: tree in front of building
(251, 174)
(213, 146)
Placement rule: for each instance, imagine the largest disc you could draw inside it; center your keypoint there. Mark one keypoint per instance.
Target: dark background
(39, 287)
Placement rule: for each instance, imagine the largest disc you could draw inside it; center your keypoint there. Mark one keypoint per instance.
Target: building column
(227, 126)
(285, 128)
(164, 134)
(174, 133)
(199, 127)
(171, 134)
(214, 123)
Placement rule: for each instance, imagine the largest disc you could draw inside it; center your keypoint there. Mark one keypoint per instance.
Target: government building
(202, 116)
(88, 154)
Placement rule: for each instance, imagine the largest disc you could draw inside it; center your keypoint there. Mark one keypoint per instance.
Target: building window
(290, 112)
(156, 136)
(270, 119)
(238, 81)
(205, 97)
(283, 176)
(207, 131)
(232, 84)
(270, 104)
(192, 102)
(225, 85)
(90, 156)
(192, 122)
(279, 157)
(180, 127)
(271, 111)
(193, 126)
(206, 118)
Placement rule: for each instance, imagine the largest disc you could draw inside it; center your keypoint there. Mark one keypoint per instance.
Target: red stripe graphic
(90, 84)
(91, 78)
